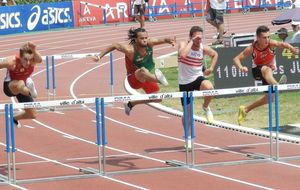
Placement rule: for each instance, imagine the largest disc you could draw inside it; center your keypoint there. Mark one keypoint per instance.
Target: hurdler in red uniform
(260, 58)
(17, 82)
(263, 65)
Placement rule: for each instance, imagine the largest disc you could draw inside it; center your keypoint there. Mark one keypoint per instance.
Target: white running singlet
(190, 67)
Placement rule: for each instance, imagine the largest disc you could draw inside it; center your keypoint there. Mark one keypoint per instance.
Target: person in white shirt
(3, 2)
(296, 29)
(191, 74)
(139, 11)
(215, 16)
(296, 3)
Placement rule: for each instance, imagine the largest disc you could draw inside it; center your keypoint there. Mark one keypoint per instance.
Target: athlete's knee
(265, 70)
(143, 71)
(30, 113)
(206, 85)
(20, 85)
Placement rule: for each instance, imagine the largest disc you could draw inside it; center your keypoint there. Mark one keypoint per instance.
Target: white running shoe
(17, 123)
(127, 108)
(283, 79)
(31, 87)
(209, 115)
(161, 78)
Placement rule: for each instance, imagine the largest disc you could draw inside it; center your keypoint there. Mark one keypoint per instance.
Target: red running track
(57, 144)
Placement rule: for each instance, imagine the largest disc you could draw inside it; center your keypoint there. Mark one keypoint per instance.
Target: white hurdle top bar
(76, 56)
(126, 98)
(230, 91)
(166, 95)
(66, 56)
(42, 104)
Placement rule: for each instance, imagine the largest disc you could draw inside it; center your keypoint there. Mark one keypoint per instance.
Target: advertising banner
(91, 12)
(45, 16)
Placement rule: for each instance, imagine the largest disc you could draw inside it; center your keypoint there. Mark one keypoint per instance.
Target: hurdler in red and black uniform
(263, 65)
(260, 58)
(17, 81)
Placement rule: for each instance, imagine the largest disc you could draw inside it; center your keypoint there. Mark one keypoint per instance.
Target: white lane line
(94, 157)
(58, 112)
(27, 163)
(120, 108)
(28, 126)
(68, 137)
(252, 144)
(142, 131)
(125, 183)
(17, 186)
(288, 164)
(164, 117)
(232, 179)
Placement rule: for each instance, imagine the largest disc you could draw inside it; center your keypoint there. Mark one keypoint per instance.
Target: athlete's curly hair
(133, 33)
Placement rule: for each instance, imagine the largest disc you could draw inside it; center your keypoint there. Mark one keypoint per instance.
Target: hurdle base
(175, 163)
(257, 156)
(88, 170)
(3, 179)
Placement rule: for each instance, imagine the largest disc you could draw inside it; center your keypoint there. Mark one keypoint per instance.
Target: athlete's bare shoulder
(9, 63)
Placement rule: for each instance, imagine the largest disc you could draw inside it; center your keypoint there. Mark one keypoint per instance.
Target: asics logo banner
(10, 20)
(34, 17)
(51, 15)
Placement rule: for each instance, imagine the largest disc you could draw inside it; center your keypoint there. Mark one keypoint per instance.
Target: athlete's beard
(142, 45)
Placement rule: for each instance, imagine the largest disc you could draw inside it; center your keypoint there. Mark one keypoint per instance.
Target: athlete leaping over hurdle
(263, 65)
(17, 81)
(139, 63)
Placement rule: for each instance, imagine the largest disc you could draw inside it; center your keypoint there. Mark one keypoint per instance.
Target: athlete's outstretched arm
(153, 41)
(240, 57)
(293, 49)
(117, 46)
(8, 63)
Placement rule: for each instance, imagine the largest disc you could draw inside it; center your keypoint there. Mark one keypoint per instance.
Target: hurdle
(69, 57)
(101, 129)
(191, 162)
(256, 157)
(10, 134)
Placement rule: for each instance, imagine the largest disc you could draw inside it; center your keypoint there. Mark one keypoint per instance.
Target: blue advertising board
(38, 17)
